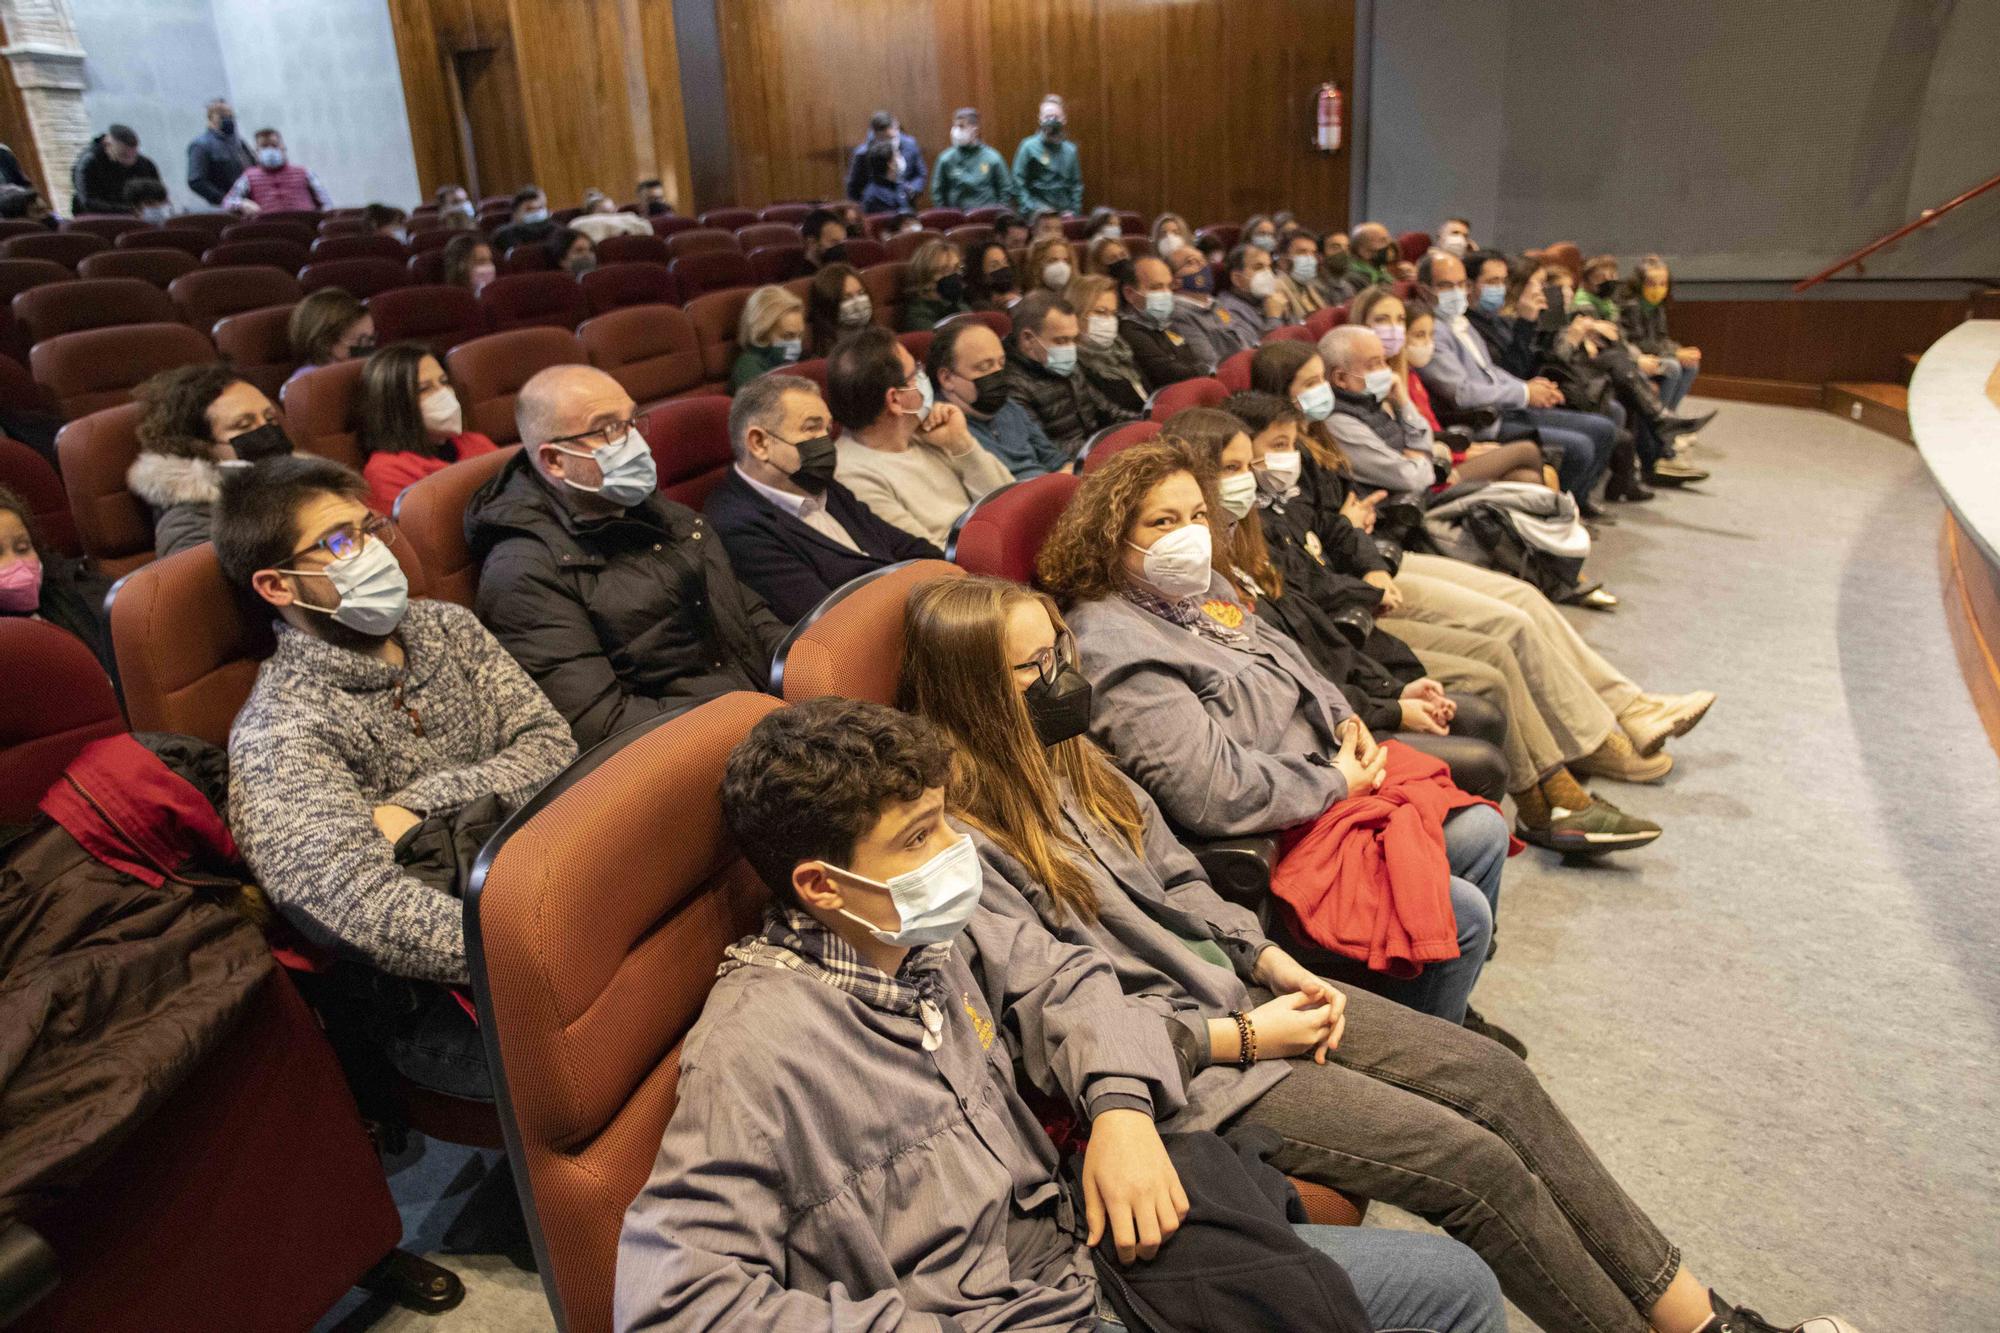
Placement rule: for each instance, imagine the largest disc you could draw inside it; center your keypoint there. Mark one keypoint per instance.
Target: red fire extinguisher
(1326, 134)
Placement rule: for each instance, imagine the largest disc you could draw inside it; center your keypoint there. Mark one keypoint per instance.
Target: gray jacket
(1230, 741)
(329, 734)
(1155, 912)
(824, 1172)
(1461, 373)
(1246, 313)
(1377, 466)
(181, 492)
(1210, 331)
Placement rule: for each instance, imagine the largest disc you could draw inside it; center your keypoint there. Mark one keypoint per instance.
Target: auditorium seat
(1225, 233)
(20, 275)
(767, 233)
(863, 253)
(988, 215)
(1076, 229)
(689, 438)
(57, 701)
(1234, 372)
(259, 345)
(436, 315)
(814, 369)
(207, 294)
(159, 267)
(210, 224)
(968, 235)
(433, 238)
(490, 371)
(360, 278)
(190, 241)
(917, 342)
(1203, 392)
(1003, 532)
(29, 475)
(709, 271)
(90, 303)
(99, 368)
(106, 227)
(728, 219)
(322, 411)
(368, 246)
(272, 229)
(593, 935)
(112, 524)
(851, 644)
(335, 226)
(426, 267)
(533, 300)
(1340, 313)
(632, 250)
(1130, 223)
(714, 317)
(885, 290)
(1292, 333)
(18, 389)
(615, 286)
(940, 219)
(701, 241)
(876, 225)
(651, 350)
(188, 649)
(11, 227)
(1322, 320)
(904, 244)
(430, 514)
(60, 247)
(790, 214)
(526, 259)
(1412, 245)
(778, 264)
(289, 256)
(999, 321)
(1105, 444)
(669, 224)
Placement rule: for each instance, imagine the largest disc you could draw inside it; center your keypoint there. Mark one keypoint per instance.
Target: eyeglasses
(1048, 663)
(349, 538)
(599, 437)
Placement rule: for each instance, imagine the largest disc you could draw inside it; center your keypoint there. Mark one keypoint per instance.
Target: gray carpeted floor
(1777, 1024)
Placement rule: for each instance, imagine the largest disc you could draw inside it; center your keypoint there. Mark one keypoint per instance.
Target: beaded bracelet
(1246, 1041)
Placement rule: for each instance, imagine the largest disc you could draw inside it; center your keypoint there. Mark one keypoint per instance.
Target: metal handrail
(1923, 219)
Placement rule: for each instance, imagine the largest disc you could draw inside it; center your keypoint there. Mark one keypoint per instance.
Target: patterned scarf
(1188, 614)
(797, 941)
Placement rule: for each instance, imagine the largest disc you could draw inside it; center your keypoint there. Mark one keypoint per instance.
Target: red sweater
(1368, 878)
(389, 473)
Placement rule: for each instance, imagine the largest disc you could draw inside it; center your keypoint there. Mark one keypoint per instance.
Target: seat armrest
(28, 1270)
(1238, 868)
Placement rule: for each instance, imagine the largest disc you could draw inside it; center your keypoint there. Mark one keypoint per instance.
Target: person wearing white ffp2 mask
(1169, 549)
(1250, 296)
(411, 422)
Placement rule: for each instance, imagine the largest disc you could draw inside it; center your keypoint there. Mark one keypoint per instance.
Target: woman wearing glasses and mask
(195, 421)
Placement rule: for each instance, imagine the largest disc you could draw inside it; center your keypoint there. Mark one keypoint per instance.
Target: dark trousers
(1585, 439)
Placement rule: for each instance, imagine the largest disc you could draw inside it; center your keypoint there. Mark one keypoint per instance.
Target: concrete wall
(153, 65)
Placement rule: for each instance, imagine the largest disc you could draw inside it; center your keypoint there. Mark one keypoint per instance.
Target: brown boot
(1618, 759)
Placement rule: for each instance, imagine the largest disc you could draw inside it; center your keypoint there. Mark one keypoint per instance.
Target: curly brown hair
(1083, 557)
(175, 403)
(1240, 547)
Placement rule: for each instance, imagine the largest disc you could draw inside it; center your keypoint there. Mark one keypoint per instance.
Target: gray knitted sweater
(328, 735)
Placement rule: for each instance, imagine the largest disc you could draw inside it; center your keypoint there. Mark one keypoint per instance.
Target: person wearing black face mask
(218, 155)
(195, 422)
(989, 277)
(968, 365)
(1370, 255)
(933, 289)
(792, 532)
(1046, 171)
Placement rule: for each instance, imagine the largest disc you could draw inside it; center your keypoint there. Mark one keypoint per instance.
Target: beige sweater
(919, 490)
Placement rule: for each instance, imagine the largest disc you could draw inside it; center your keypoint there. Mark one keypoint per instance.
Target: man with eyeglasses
(373, 715)
(620, 603)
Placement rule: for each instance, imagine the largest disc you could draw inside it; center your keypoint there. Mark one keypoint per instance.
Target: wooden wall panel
(574, 94)
(1812, 342)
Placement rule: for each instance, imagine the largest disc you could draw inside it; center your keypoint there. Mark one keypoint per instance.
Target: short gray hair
(761, 403)
(538, 408)
(1341, 347)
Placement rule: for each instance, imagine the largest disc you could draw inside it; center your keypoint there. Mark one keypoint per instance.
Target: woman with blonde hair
(933, 287)
(1171, 225)
(1105, 256)
(1106, 358)
(769, 334)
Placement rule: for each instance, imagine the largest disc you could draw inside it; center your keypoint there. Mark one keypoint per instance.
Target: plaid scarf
(797, 941)
(1187, 613)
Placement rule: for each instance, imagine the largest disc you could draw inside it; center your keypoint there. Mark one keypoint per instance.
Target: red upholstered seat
(651, 350)
(361, 278)
(1412, 245)
(778, 264)
(1004, 531)
(793, 214)
(668, 224)
(436, 315)
(258, 343)
(1225, 233)
(767, 233)
(989, 214)
(61, 247)
(941, 219)
(1322, 320)
(490, 371)
(728, 219)
(322, 411)
(371, 245)
(904, 244)
(431, 516)
(864, 254)
(207, 294)
(851, 644)
(689, 438)
(159, 267)
(527, 259)
(272, 229)
(20, 275)
(714, 317)
(90, 303)
(1202, 392)
(99, 368)
(57, 701)
(1295, 333)
(534, 300)
(426, 267)
(709, 271)
(701, 240)
(112, 524)
(884, 282)
(615, 286)
(632, 250)
(1234, 372)
(968, 234)
(280, 254)
(106, 227)
(189, 240)
(29, 475)
(1105, 445)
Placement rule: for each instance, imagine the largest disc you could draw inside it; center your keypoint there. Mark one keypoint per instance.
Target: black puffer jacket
(1070, 407)
(1645, 326)
(618, 619)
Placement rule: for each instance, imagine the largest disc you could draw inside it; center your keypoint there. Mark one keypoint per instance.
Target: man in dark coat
(793, 533)
(620, 603)
(1042, 373)
(104, 169)
(218, 155)
(1164, 357)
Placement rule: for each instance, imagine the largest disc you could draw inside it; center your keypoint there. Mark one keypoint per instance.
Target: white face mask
(856, 311)
(1417, 351)
(1111, 232)
(1238, 492)
(1379, 381)
(962, 135)
(270, 158)
(933, 902)
(1283, 466)
(374, 592)
(1178, 563)
(1262, 283)
(482, 274)
(1100, 332)
(1453, 244)
(1055, 274)
(442, 412)
(1171, 244)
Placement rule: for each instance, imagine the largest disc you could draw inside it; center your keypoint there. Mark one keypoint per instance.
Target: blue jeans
(1674, 380)
(1585, 440)
(1408, 1281)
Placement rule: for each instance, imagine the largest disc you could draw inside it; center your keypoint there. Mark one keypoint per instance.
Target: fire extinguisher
(1326, 134)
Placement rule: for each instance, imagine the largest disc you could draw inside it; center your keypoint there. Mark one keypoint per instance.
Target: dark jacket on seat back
(792, 565)
(618, 619)
(1069, 407)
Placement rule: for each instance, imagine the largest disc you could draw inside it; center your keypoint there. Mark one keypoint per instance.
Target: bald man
(619, 602)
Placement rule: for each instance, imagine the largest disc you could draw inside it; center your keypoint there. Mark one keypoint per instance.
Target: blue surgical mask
(1062, 360)
(535, 215)
(1492, 295)
(1305, 268)
(1268, 244)
(1378, 382)
(374, 591)
(627, 469)
(1316, 402)
(790, 348)
(1160, 306)
(933, 902)
(270, 158)
(1451, 302)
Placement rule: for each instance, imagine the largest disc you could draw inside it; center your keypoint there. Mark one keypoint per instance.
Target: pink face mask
(481, 275)
(21, 586)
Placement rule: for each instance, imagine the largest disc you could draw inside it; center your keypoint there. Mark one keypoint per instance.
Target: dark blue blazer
(790, 565)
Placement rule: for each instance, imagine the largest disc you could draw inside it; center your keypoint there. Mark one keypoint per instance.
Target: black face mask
(1607, 288)
(267, 441)
(833, 254)
(1001, 279)
(226, 126)
(989, 393)
(951, 287)
(1123, 273)
(655, 207)
(1335, 263)
(1052, 128)
(817, 458)
(1060, 708)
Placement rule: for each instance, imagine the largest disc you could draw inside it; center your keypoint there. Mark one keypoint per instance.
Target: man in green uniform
(971, 173)
(1046, 174)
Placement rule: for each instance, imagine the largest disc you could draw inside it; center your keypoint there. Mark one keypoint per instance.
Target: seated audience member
(1103, 224)
(1386, 441)
(905, 455)
(1012, 232)
(968, 367)
(935, 1203)
(1045, 224)
(1211, 247)
(837, 304)
(1051, 264)
(609, 594)
(411, 422)
(469, 262)
(1472, 460)
(386, 220)
(1225, 723)
(192, 421)
(40, 583)
(455, 209)
(21, 201)
(146, 199)
(1454, 237)
(1107, 256)
(1335, 282)
(1261, 232)
(971, 173)
(530, 223)
(1174, 225)
(106, 166)
(770, 333)
(1504, 307)
(1145, 323)
(793, 533)
(652, 194)
(1042, 373)
(274, 183)
(373, 715)
(329, 325)
(990, 281)
(1642, 316)
(933, 287)
(825, 234)
(1403, 1108)
(1105, 358)
(571, 251)
(1252, 299)
(1597, 287)
(851, 216)
(1462, 377)
(1298, 277)
(1210, 330)
(1371, 254)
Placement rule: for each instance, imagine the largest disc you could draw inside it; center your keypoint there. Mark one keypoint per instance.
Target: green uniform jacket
(1046, 175)
(975, 176)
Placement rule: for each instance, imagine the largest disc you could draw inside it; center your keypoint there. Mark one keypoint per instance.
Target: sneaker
(1596, 829)
(1681, 711)
(1619, 760)
(1737, 1319)
(1646, 726)
(1676, 472)
(1476, 1022)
